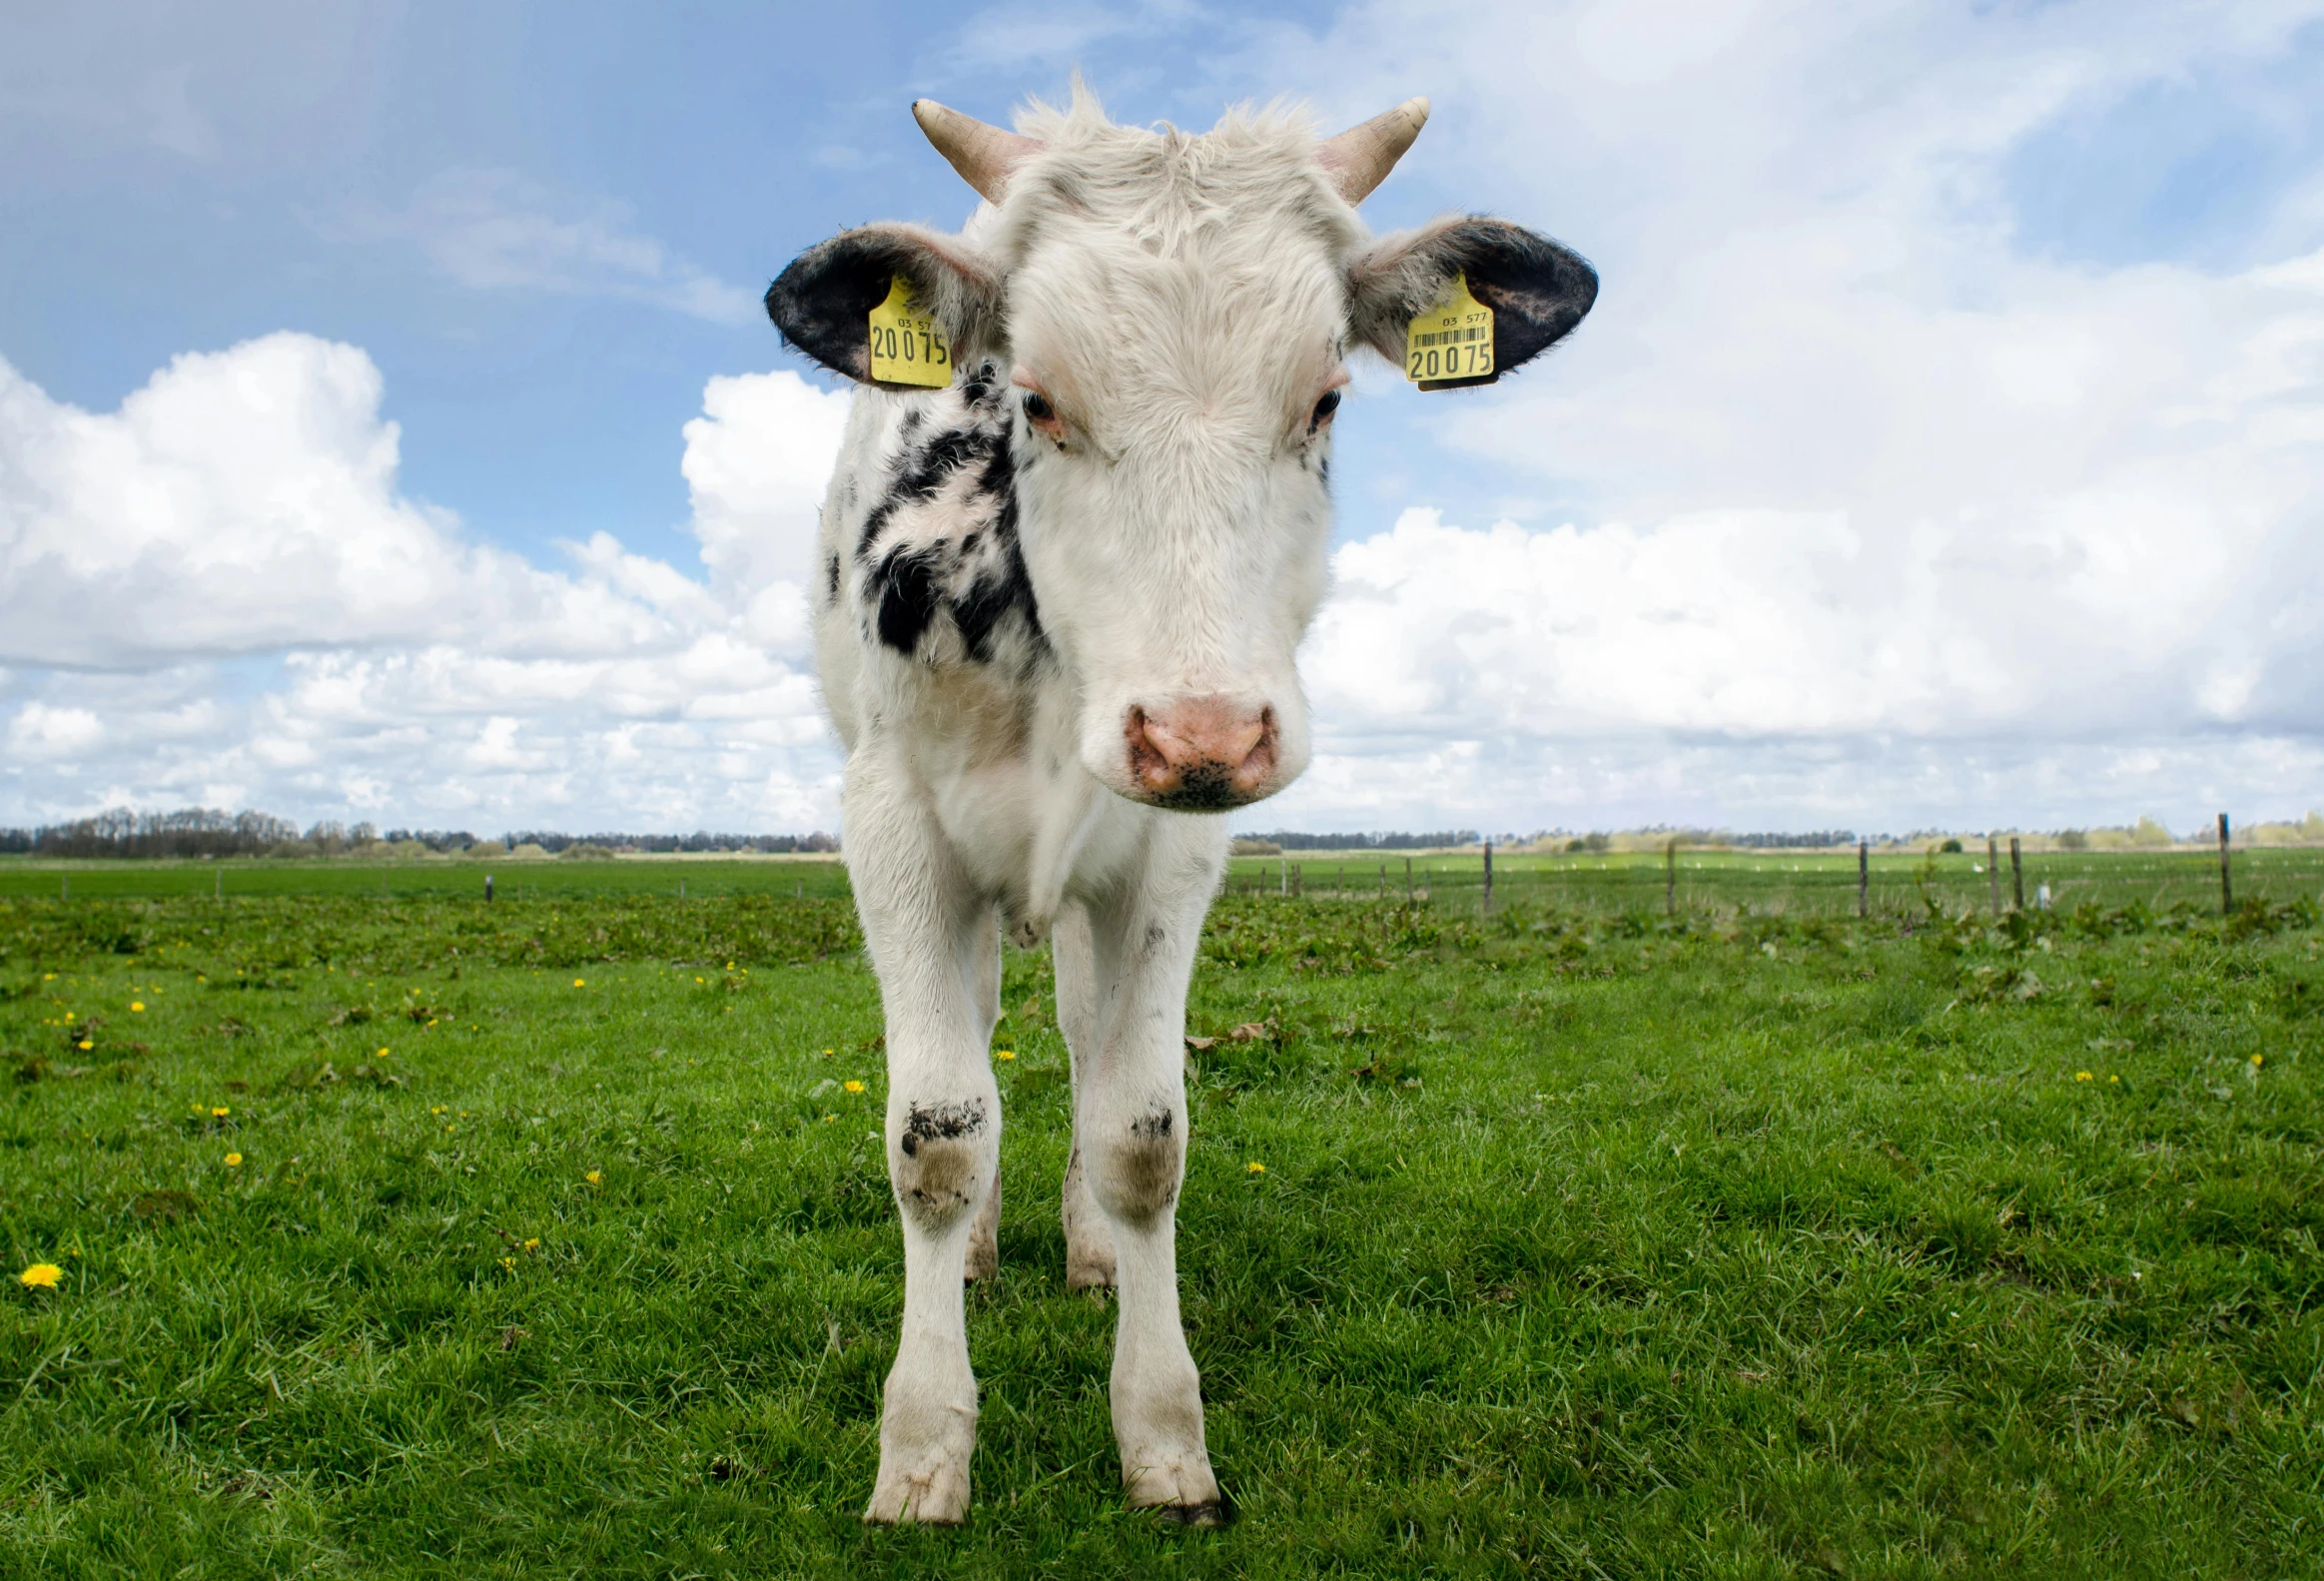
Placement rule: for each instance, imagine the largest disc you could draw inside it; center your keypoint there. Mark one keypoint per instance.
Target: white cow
(1058, 607)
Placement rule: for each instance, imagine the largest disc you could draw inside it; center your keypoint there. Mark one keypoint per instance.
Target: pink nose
(1202, 753)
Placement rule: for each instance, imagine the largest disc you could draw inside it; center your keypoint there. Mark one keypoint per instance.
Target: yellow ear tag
(908, 344)
(1452, 342)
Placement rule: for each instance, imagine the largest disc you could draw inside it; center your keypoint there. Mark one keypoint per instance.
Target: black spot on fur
(1154, 1125)
(905, 584)
(941, 1122)
(831, 577)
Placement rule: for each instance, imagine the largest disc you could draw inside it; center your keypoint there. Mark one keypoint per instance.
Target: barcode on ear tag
(1453, 341)
(908, 344)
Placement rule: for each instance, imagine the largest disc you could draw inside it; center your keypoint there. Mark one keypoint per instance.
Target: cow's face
(1172, 313)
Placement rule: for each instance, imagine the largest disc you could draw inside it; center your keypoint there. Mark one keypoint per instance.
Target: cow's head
(1173, 312)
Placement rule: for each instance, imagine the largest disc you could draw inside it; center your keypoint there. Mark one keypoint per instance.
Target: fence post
(2226, 879)
(1488, 902)
(1993, 871)
(1407, 881)
(1669, 878)
(488, 887)
(2016, 878)
(218, 889)
(1864, 878)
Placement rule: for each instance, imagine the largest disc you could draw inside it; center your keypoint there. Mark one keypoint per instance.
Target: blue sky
(1943, 449)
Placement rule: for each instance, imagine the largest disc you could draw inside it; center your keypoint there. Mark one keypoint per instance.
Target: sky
(390, 430)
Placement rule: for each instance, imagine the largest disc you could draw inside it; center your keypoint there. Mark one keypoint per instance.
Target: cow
(1077, 530)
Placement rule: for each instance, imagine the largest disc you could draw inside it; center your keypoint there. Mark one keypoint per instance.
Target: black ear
(1538, 291)
(823, 301)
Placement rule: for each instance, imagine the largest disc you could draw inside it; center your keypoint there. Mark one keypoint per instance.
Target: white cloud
(756, 463)
(244, 501)
(217, 593)
(1863, 494)
(501, 230)
(39, 731)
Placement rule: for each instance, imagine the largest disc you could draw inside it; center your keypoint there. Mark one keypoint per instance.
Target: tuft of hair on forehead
(1257, 163)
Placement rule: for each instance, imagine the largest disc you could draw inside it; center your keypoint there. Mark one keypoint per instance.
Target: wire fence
(1798, 883)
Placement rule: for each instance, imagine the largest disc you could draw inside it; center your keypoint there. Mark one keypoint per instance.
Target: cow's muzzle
(1201, 754)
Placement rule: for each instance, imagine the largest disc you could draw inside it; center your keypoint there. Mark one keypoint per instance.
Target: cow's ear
(1538, 291)
(823, 301)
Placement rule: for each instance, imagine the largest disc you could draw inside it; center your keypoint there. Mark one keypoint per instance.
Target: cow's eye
(1037, 408)
(1324, 411)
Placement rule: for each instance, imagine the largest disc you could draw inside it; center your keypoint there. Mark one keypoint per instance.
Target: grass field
(407, 1235)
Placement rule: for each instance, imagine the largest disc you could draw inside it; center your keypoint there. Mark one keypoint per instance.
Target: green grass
(447, 878)
(1586, 1244)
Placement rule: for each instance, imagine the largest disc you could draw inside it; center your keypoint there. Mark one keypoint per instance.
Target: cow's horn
(1360, 158)
(984, 155)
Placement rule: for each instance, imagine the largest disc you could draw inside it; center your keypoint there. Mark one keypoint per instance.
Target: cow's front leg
(920, 924)
(1130, 1113)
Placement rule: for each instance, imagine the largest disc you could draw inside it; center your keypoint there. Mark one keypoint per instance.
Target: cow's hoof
(1088, 1274)
(984, 1259)
(1180, 1491)
(1210, 1516)
(931, 1492)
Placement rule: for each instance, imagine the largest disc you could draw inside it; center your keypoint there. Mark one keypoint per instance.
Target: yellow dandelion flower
(2113, 1079)
(219, 1112)
(730, 966)
(1006, 1054)
(595, 1177)
(827, 1053)
(853, 1087)
(1255, 1168)
(71, 1013)
(41, 1276)
(697, 980)
(438, 1110)
(447, 1130)
(84, 1045)
(382, 1054)
(137, 1004)
(234, 1160)
(2258, 1060)
(2082, 1076)
(533, 1243)
(48, 977)
(830, 1120)
(580, 983)
(508, 1262)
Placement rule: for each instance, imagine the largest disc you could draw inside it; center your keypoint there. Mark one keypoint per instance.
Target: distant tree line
(190, 832)
(197, 832)
(1784, 842)
(1364, 841)
(553, 842)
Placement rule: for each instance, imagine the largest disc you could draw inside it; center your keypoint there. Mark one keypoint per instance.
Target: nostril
(1148, 761)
